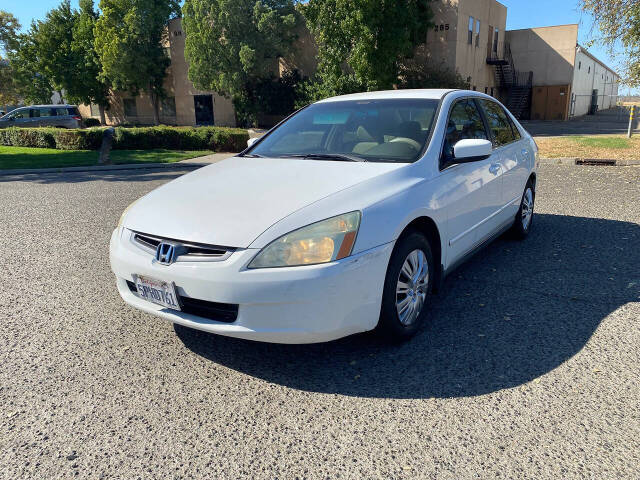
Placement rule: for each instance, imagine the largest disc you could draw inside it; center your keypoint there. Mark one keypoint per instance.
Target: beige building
(539, 73)
(465, 34)
(567, 80)
(184, 104)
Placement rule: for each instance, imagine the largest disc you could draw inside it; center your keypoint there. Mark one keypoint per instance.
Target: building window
(470, 33)
(579, 65)
(168, 107)
(130, 109)
(474, 88)
(486, 90)
(95, 110)
(496, 34)
(477, 33)
(589, 71)
(167, 51)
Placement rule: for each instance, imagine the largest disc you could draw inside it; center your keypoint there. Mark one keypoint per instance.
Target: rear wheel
(524, 217)
(407, 288)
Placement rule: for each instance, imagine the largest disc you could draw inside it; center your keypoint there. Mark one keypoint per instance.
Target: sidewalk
(184, 164)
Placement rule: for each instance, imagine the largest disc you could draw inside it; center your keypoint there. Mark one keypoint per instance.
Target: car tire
(524, 218)
(402, 296)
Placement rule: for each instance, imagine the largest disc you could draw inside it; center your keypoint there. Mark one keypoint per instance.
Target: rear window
(73, 111)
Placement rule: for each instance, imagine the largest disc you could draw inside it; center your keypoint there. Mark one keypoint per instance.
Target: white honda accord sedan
(344, 218)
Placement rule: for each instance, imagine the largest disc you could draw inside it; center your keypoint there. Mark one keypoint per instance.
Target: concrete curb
(103, 168)
(588, 161)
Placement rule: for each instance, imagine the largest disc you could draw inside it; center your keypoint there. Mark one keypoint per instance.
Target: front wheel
(407, 288)
(524, 217)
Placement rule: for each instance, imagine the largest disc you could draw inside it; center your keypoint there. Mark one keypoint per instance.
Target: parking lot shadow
(513, 313)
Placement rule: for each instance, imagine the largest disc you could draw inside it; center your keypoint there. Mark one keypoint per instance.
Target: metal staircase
(515, 86)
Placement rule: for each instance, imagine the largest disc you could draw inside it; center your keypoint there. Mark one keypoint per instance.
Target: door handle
(495, 168)
(524, 152)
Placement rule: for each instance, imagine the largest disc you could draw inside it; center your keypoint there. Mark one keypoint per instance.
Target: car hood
(230, 203)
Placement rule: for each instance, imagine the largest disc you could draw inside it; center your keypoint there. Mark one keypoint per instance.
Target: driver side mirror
(251, 141)
(471, 150)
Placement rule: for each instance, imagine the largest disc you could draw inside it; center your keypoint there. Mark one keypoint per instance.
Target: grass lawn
(616, 147)
(22, 157)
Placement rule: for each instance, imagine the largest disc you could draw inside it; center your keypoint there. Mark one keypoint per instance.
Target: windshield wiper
(342, 157)
(252, 155)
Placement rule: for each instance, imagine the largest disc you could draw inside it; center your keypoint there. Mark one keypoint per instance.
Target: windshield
(390, 130)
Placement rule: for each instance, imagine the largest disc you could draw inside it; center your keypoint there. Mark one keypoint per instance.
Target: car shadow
(512, 313)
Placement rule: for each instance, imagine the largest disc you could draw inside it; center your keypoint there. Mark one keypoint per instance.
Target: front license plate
(157, 291)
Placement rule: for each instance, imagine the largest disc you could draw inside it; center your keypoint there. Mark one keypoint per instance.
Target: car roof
(66, 105)
(430, 93)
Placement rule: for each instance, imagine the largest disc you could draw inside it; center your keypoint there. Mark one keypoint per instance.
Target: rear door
(507, 144)
(61, 117)
(473, 190)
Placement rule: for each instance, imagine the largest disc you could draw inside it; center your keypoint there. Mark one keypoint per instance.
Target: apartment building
(184, 104)
(539, 73)
(465, 34)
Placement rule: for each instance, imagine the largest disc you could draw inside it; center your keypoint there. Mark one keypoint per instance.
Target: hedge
(145, 138)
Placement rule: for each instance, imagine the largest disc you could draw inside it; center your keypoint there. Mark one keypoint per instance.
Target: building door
(203, 105)
(594, 103)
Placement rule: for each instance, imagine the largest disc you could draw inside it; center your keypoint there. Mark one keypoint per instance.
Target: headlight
(126, 210)
(320, 242)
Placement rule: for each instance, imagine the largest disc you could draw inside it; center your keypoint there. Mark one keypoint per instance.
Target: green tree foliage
(128, 40)
(31, 83)
(87, 86)
(232, 46)
(361, 43)
(9, 27)
(619, 23)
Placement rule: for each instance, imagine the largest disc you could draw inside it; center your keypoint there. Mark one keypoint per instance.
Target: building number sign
(441, 27)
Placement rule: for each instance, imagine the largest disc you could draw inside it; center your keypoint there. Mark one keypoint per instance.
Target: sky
(520, 14)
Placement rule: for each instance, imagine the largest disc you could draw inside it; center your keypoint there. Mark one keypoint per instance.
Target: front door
(203, 105)
(473, 189)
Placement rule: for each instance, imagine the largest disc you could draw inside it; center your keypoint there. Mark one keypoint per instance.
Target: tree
(424, 74)
(87, 85)
(31, 84)
(128, 41)
(53, 39)
(9, 27)
(619, 23)
(233, 45)
(361, 43)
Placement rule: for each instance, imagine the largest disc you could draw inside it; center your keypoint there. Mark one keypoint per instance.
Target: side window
(498, 123)
(61, 112)
(464, 122)
(23, 113)
(514, 129)
(46, 112)
(34, 113)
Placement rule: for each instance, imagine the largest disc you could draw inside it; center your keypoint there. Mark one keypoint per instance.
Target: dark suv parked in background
(62, 116)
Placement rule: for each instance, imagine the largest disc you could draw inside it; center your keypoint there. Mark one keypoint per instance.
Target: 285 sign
(441, 27)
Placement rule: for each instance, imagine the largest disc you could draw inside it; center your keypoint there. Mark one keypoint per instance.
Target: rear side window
(46, 112)
(498, 123)
(465, 122)
(34, 113)
(61, 112)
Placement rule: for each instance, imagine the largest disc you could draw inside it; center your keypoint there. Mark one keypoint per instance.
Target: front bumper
(308, 304)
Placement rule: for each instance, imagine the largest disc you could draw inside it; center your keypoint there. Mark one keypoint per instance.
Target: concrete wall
(591, 74)
(549, 52)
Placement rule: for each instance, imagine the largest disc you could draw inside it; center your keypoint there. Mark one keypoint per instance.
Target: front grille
(219, 312)
(186, 251)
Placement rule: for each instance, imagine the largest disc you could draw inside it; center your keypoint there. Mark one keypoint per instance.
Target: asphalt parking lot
(530, 368)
